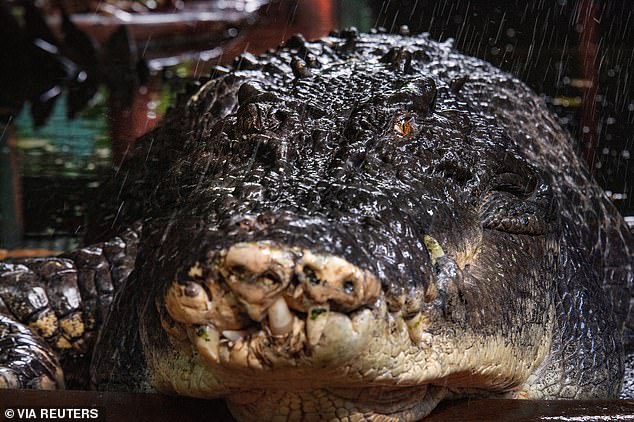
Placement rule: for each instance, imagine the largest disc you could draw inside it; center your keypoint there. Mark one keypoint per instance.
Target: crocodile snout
(259, 272)
(256, 293)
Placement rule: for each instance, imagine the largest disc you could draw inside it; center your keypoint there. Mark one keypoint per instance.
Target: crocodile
(352, 228)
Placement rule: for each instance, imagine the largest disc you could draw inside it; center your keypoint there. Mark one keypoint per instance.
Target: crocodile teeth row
(206, 338)
(280, 318)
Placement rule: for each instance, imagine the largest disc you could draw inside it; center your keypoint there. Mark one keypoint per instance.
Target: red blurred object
(191, 25)
(280, 20)
(588, 53)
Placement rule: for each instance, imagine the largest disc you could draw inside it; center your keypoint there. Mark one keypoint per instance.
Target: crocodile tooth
(415, 327)
(234, 335)
(206, 339)
(315, 323)
(433, 247)
(280, 318)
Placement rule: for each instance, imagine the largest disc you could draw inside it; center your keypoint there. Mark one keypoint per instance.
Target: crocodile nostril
(348, 287)
(331, 279)
(246, 224)
(269, 278)
(256, 273)
(311, 276)
(238, 269)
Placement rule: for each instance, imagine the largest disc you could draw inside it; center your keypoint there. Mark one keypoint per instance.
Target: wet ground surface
(150, 407)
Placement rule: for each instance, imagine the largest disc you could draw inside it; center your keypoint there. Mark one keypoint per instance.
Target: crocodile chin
(371, 403)
(281, 330)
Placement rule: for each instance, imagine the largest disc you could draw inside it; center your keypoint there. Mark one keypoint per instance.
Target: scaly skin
(63, 302)
(357, 228)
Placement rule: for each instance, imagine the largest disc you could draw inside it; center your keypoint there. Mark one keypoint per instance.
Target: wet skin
(359, 227)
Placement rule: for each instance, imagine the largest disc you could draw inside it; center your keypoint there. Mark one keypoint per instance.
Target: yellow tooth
(280, 318)
(416, 327)
(433, 247)
(240, 354)
(315, 323)
(206, 339)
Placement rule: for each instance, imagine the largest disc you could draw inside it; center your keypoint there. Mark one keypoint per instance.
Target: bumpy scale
(353, 228)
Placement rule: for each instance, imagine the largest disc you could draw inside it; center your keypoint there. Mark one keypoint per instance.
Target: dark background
(578, 54)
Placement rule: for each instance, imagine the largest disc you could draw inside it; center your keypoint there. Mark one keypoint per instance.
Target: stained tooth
(280, 318)
(416, 327)
(434, 248)
(206, 338)
(315, 323)
(240, 354)
(234, 335)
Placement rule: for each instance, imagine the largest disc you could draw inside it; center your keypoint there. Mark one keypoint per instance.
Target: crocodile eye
(348, 287)
(521, 185)
(311, 276)
(517, 200)
(405, 125)
(519, 208)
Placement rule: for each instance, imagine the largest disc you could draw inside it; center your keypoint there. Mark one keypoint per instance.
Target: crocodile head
(353, 237)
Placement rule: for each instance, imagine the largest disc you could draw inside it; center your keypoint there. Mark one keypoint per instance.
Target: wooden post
(11, 222)
(588, 52)
(128, 122)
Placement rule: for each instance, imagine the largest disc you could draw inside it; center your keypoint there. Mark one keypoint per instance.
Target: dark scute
(247, 91)
(246, 61)
(299, 68)
(418, 95)
(296, 41)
